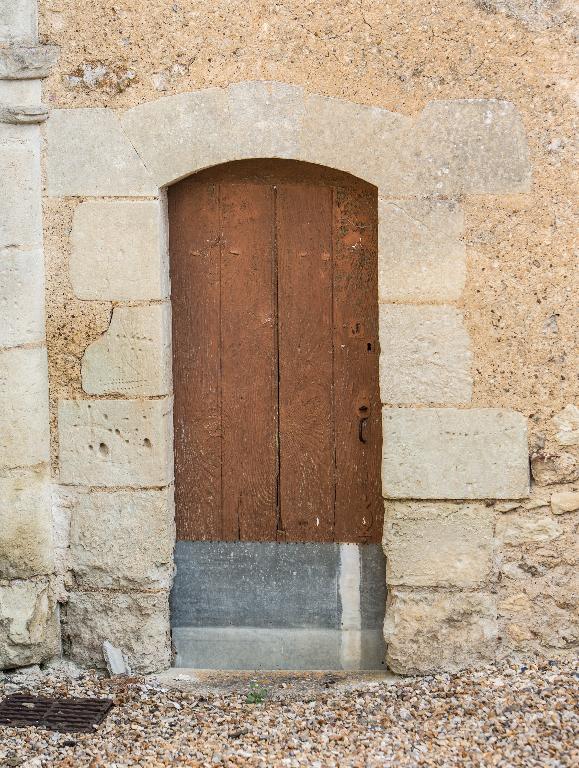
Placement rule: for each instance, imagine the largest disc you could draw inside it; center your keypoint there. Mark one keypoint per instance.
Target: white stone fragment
(420, 255)
(424, 355)
(445, 453)
(24, 438)
(437, 545)
(116, 442)
(115, 660)
(89, 154)
(119, 251)
(20, 209)
(133, 357)
(21, 297)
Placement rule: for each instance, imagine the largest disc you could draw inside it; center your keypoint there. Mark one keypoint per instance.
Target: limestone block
(420, 255)
(565, 501)
(25, 526)
(438, 545)
(137, 623)
(23, 115)
(29, 632)
(20, 210)
(21, 297)
(471, 146)
(116, 442)
(119, 251)
(445, 453)
(368, 142)
(18, 19)
(23, 407)
(527, 529)
(27, 62)
(428, 632)
(424, 355)
(553, 468)
(15, 92)
(133, 357)
(567, 424)
(88, 154)
(123, 540)
(178, 135)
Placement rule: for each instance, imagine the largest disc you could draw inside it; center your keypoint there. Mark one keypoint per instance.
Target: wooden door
(275, 354)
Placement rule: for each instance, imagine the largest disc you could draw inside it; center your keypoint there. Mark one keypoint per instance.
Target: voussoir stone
(119, 251)
(446, 453)
(431, 632)
(20, 208)
(89, 154)
(136, 623)
(18, 19)
(29, 632)
(116, 442)
(24, 420)
(25, 525)
(27, 62)
(437, 545)
(133, 357)
(21, 297)
(123, 539)
(424, 355)
(420, 255)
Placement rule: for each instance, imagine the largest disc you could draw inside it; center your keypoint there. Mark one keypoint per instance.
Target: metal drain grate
(68, 715)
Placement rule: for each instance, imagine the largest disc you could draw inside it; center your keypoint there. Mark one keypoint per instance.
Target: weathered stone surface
(425, 355)
(136, 623)
(23, 407)
(429, 632)
(471, 146)
(28, 623)
(437, 545)
(16, 92)
(21, 216)
(565, 501)
(116, 442)
(119, 251)
(420, 255)
(567, 424)
(25, 526)
(133, 357)
(27, 62)
(18, 19)
(21, 297)
(445, 453)
(123, 540)
(527, 529)
(23, 115)
(88, 154)
(553, 468)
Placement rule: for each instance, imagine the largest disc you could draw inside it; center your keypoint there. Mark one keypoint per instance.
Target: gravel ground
(509, 715)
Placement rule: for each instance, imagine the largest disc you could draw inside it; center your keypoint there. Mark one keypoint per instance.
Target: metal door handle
(361, 424)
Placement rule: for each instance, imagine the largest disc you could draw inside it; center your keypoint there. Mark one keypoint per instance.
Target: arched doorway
(277, 418)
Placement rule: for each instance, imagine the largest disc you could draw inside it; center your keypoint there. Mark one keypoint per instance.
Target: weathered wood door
(275, 354)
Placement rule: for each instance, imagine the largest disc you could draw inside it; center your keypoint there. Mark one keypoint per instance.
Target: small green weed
(257, 694)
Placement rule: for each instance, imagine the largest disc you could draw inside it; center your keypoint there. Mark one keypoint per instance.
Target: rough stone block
(368, 142)
(20, 210)
(527, 529)
(18, 19)
(445, 453)
(438, 545)
(133, 357)
(27, 62)
(471, 146)
(116, 442)
(21, 297)
(119, 251)
(29, 632)
(23, 407)
(88, 154)
(123, 539)
(425, 355)
(420, 255)
(25, 526)
(430, 632)
(565, 501)
(567, 425)
(554, 468)
(136, 623)
(23, 115)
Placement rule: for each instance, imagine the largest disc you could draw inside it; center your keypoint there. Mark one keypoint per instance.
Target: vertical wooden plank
(248, 363)
(304, 244)
(358, 423)
(195, 281)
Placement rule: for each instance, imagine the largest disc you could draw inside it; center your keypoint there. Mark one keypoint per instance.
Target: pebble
(505, 715)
